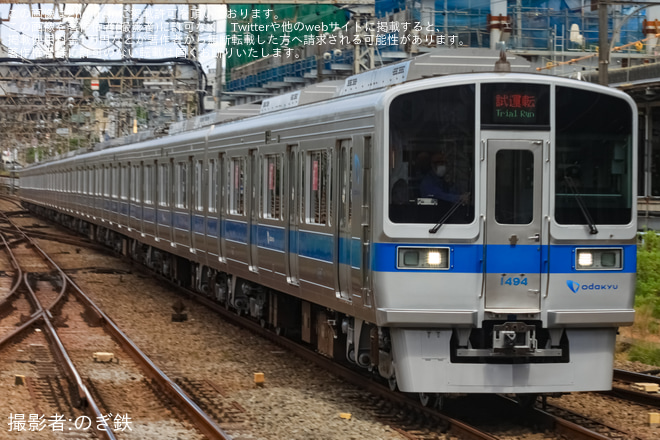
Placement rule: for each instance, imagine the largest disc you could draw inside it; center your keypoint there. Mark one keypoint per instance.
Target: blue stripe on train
(463, 258)
(504, 258)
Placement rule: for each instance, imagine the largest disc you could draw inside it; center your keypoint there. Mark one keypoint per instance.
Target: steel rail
(203, 422)
(559, 425)
(631, 376)
(634, 395)
(36, 315)
(83, 398)
(460, 429)
(569, 429)
(18, 276)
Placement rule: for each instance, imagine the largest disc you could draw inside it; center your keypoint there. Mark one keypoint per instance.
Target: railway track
(415, 421)
(623, 387)
(406, 417)
(58, 308)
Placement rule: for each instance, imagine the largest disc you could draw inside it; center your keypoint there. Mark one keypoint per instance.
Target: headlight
(422, 258)
(598, 259)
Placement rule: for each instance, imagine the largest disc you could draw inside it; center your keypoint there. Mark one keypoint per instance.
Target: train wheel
(392, 383)
(428, 399)
(526, 400)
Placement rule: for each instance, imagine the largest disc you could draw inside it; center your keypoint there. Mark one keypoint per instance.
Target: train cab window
(237, 186)
(431, 156)
(593, 166)
(272, 187)
(317, 188)
(164, 185)
(212, 189)
(181, 185)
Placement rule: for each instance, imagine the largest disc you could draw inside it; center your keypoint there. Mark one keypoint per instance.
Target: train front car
(506, 257)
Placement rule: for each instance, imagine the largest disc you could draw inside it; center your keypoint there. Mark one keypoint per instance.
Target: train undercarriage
(343, 338)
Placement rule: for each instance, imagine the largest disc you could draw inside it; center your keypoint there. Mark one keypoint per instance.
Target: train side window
(182, 185)
(132, 190)
(237, 186)
(212, 190)
(136, 183)
(98, 177)
(164, 185)
(123, 182)
(90, 181)
(115, 182)
(106, 181)
(272, 187)
(317, 186)
(148, 185)
(198, 188)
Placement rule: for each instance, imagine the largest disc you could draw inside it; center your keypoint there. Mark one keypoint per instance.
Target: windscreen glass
(431, 156)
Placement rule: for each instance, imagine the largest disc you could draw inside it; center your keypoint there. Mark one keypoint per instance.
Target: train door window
(115, 182)
(148, 184)
(237, 186)
(106, 181)
(164, 185)
(346, 182)
(212, 190)
(318, 194)
(136, 183)
(221, 188)
(123, 182)
(514, 187)
(272, 187)
(198, 188)
(302, 186)
(98, 177)
(181, 182)
(132, 187)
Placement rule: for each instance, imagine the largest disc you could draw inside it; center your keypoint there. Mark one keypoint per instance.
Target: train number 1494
(513, 281)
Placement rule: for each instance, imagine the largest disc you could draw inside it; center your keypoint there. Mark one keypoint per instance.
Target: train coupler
(516, 337)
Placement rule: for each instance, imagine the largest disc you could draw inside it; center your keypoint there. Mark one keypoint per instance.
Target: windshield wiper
(581, 205)
(462, 200)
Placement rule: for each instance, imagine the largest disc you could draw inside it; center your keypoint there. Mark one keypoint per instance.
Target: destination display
(523, 105)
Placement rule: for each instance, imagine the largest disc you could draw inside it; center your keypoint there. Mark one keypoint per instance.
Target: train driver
(437, 183)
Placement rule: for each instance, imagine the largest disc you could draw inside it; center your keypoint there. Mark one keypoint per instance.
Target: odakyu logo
(573, 286)
(576, 287)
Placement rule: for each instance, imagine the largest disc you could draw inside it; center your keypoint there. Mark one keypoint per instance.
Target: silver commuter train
(459, 234)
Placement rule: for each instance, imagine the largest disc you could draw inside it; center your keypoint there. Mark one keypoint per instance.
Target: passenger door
(253, 210)
(344, 258)
(514, 224)
(292, 169)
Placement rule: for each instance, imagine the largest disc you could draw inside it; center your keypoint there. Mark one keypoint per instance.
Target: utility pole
(603, 44)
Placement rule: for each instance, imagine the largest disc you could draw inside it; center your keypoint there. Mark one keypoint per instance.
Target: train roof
(407, 73)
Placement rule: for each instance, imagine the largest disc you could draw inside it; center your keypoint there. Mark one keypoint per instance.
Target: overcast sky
(99, 32)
